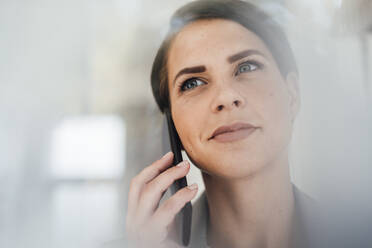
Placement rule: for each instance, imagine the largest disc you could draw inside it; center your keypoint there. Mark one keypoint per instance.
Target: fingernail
(167, 154)
(183, 164)
(192, 186)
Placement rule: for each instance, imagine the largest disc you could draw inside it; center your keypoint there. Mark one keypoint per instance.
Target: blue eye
(191, 83)
(247, 67)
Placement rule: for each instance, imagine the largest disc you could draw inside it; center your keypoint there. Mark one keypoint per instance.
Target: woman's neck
(252, 212)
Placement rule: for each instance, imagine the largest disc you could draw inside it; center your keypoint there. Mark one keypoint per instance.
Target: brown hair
(246, 14)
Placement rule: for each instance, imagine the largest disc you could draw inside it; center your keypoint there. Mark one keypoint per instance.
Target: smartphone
(183, 218)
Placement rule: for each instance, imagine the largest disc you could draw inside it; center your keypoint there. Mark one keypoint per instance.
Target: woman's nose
(226, 98)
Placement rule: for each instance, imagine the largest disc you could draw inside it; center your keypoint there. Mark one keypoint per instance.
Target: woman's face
(222, 74)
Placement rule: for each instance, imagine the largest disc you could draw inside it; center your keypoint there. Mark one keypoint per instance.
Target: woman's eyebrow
(231, 59)
(187, 70)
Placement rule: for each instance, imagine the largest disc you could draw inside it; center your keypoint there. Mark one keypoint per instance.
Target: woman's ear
(292, 82)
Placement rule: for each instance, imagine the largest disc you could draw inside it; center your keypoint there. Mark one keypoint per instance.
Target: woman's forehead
(215, 39)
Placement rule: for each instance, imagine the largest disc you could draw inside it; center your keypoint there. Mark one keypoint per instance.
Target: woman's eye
(247, 67)
(191, 83)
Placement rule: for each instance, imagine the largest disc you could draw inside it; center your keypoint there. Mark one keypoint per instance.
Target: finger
(143, 177)
(150, 172)
(153, 191)
(166, 213)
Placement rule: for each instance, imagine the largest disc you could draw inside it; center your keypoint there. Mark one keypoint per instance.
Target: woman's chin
(232, 168)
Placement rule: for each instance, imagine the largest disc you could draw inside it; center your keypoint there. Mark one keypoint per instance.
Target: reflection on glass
(88, 147)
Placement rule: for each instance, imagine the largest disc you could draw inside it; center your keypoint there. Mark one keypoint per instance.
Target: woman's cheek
(182, 121)
(188, 120)
(279, 122)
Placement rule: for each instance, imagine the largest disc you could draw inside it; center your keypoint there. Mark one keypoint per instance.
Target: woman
(228, 75)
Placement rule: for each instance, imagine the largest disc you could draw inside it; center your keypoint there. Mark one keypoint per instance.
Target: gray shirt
(306, 227)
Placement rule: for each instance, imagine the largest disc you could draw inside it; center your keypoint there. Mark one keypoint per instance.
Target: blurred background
(78, 120)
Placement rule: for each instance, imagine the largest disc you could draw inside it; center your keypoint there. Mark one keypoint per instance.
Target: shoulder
(313, 225)
(307, 209)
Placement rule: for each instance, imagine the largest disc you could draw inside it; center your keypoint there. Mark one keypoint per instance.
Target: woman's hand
(147, 223)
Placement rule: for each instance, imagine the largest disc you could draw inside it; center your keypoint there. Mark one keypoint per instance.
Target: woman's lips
(234, 135)
(233, 132)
